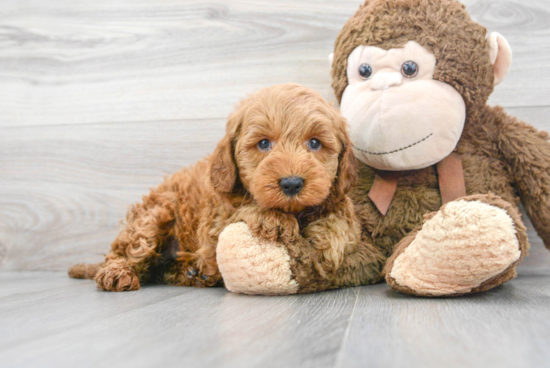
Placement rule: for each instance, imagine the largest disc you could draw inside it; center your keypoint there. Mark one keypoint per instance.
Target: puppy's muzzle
(291, 185)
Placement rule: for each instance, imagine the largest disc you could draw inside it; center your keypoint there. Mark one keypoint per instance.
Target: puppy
(284, 164)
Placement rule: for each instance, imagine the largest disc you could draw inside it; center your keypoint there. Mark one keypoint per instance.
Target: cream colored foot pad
(462, 246)
(251, 265)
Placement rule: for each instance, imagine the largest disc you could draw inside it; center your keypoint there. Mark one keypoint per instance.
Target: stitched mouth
(394, 151)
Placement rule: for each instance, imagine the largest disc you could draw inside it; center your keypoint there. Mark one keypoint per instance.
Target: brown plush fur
(183, 217)
(500, 154)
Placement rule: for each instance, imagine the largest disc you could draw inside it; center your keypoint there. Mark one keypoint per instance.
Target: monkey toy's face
(400, 117)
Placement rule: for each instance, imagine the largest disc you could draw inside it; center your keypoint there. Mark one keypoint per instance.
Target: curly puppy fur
(171, 236)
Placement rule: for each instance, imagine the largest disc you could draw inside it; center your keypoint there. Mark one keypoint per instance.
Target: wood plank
(506, 327)
(88, 62)
(105, 156)
(75, 325)
(36, 314)
(46, 227)
(525, 25)
(208, 327)
(162, 60)
(14, 283)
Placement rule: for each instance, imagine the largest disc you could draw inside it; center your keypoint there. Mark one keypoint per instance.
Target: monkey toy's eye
(409, 69)
(264, 145)
(314, 144)
(365, 71)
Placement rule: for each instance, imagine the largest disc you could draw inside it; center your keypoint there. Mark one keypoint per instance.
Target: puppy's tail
(84, 270)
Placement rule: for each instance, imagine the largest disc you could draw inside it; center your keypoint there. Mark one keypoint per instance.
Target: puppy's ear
(223, 169)
(347, 165)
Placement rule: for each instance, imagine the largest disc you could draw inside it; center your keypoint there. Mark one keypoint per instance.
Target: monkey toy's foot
(469, 245)
(251, 265)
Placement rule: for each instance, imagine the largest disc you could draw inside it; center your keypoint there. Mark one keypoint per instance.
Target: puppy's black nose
(291, 185)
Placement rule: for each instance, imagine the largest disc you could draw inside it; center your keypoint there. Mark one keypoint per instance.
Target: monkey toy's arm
(528, 153)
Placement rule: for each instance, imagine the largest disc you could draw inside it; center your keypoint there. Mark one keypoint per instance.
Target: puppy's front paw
(251, 265)
(274, 226)
(116, 276)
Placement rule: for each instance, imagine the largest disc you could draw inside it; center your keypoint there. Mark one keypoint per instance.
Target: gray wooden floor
(101, 98)
(49, 320)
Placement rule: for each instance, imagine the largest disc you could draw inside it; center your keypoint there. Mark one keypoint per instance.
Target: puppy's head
(288, 147)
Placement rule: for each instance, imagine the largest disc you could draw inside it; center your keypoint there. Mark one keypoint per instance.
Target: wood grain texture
(100, 99)
(118, 61)
(51, 320)
(104, 61)
(75, 325)
(507, 327)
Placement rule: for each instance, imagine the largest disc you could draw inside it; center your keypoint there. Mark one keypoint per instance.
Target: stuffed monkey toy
(441, 173)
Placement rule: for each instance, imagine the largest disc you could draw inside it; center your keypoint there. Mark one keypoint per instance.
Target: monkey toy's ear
(330, 59)
(500, 54)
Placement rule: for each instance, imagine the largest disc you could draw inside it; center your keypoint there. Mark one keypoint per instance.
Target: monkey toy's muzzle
(405, 126)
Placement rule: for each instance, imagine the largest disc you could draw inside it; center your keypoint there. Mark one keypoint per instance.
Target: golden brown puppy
(285, 162)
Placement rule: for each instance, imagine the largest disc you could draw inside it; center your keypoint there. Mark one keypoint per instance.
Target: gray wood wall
(99, 99)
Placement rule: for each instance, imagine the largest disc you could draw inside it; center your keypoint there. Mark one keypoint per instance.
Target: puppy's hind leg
(147, 225)
(85, 270)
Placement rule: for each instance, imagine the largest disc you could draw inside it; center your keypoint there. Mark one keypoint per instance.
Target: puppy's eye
(264, 145)
(365, 71)
(409, 69)
(314, 145)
